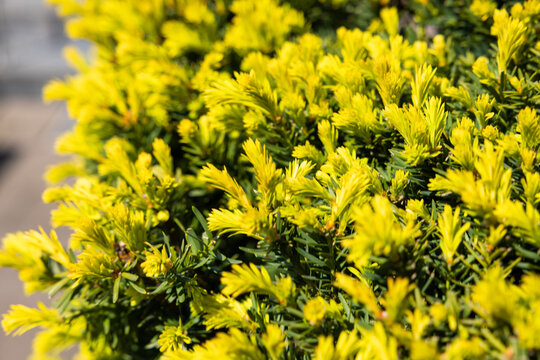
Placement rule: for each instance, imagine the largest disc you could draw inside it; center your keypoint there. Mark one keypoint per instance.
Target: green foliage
(303, 179)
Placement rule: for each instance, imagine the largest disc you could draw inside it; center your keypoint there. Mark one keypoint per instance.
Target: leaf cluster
(303, 179)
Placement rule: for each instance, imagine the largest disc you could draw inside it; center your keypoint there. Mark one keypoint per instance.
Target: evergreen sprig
(302, 179)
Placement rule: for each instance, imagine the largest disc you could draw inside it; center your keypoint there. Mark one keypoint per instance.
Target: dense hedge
(324, 179)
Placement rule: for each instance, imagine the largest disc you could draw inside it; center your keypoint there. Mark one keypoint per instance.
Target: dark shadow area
(7, 155)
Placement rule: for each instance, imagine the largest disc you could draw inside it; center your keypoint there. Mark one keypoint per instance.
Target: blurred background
(31, 42)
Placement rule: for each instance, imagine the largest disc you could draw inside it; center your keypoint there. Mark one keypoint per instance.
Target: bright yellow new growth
(222, 311)
(261, 25)
(493, 297)
(357, 115)
(524, 221)
(274, 341)
(265, 169)
(421, 83)
(93, 265)
(162, 153)
(315, 310)
(450, 232)
(248, 278)
(511, 35)
(232, 345)
(222, 180)
(377, 344)
(482, 109)
(435, 117)
(359, 290)
(399, 183)
(35, 242)
(419, 323)
(464, 144)
(309, 152)
(531, 187)
(253, 222)
(483, 8)
(157, 262)
(248, 91)
(480, 194)
(378, 231)
(346, 347)
(21, 318)
(395, 299)
(119, 161)
(328, 135)
(172, 338)
(390, 20)
(420, 128)
(529, 127)
(129, 226)
(352, 186)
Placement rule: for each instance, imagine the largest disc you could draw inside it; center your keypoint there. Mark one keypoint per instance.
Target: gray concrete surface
(31, 40)
(28, 128)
